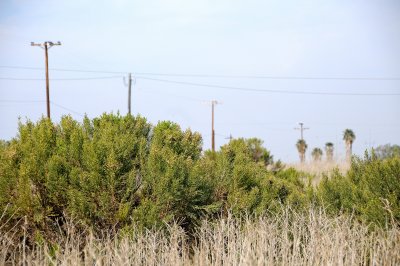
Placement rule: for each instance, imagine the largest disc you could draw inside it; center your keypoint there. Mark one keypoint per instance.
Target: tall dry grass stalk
(287, 239)
(318, 169)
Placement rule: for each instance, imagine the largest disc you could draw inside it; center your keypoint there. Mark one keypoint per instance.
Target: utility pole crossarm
(301, 128)
(36, 44)
(48, 44)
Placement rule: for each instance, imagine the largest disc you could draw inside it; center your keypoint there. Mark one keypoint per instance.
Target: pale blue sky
(220, 37)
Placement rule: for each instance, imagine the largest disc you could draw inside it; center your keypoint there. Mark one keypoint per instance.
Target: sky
(255, 58)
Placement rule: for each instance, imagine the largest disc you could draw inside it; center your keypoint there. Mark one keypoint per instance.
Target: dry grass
(318, 169)
(286, 239)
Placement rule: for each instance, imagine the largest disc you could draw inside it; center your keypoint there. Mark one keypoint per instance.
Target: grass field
(290, 238)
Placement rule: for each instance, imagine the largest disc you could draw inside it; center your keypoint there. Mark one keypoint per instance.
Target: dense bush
(370, 190)
(120, 172)
(115, 171)
(170, 191)
(86, 170)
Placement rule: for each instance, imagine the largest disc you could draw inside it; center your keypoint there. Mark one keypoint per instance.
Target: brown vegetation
(290, 238)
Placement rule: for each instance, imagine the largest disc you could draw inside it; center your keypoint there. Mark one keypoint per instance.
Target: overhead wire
(208, 75)
(59, 79)
(65, 70)
(66, 108)
(213, 86)
(152, 91)
(41, 101)
(21, 101)
(264, 77)
(145, 76)
(266, 90)
(140, 76)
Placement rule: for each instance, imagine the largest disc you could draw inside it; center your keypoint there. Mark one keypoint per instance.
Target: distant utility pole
(301, 128)
(230, 137)
(46, 46)
(213, 103)
(129, 85)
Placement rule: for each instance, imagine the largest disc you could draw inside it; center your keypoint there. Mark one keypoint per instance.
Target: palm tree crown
(328, 145)
(349, 136)
(301, 146)
(316, 154)
(329, 151)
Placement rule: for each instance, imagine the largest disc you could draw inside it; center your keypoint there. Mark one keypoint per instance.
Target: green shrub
(120, 172)
(370, 190)
(170, 190)
(82, 170)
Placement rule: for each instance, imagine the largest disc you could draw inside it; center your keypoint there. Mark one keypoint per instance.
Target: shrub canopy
(121, 172)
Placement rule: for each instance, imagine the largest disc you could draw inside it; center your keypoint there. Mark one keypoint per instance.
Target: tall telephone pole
(46, 46)
(129, 85)
(301, 129)
(213, 103)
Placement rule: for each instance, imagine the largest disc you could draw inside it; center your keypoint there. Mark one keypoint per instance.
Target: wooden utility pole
(129, 85)
(46, 46)
(213, 103)
(129, 93)
(301, 129)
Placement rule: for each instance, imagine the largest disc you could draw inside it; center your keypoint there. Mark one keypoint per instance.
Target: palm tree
(329, 151)
(301, 148)
(349, 137)
(316, 154)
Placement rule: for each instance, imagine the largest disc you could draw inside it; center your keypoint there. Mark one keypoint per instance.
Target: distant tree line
(387, 151)
(348, 137)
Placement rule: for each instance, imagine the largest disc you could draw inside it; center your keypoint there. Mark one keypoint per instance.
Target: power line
(211, 86)
(21, 101)
(41, 101)
(224, 136)
(211, 76)
(266, 77)
(66, 70)
(67, 109)
(267, 90)
(59, 79)
(173, 95)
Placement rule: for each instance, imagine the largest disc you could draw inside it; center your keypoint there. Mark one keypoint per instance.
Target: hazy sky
(222, 37)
